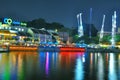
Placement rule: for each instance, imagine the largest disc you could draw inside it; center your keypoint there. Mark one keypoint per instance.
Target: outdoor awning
(24, 34)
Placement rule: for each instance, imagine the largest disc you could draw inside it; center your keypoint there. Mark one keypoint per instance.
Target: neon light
(72, 49)
(23, 24)
(14, 22)
(7, 21)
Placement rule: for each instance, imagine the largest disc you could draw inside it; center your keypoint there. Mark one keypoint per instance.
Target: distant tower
(113, 29)
(80, 26)
(102, 29)
(90, 22)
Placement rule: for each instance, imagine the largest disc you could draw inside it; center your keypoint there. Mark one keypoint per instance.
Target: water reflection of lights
(83, 58)
(112, 70)
(0, 56)
(54, 59)
(107, 57)
(100, 68)
(119, 65)
(47, 63)
(79, 70)
(91, 58)
(91, 63)
(96, 56)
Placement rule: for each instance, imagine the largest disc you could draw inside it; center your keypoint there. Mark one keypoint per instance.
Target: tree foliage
(41, 23)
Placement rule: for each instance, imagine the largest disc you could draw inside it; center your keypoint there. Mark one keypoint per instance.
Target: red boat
(72, 49)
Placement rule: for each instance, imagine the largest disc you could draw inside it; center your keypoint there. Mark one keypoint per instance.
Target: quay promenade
(57, 49)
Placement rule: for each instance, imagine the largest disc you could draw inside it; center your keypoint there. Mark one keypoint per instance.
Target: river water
(59, 66)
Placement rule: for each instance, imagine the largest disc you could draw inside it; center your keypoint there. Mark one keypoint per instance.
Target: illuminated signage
(23, 24)
(14, 22)
(10, 21)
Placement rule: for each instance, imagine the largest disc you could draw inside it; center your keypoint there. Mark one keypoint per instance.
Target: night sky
(62, 11)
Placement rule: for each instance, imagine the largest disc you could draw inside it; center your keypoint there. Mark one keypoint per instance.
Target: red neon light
(72, 49)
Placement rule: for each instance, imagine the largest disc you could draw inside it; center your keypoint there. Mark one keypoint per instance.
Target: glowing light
(14, 22)
(113, 29)
(8, 21)
(91, 58)
(119, 64)
(47, 63)
(83, 58)
(80, 26)
(72, 49)
(102, 29)
(79, 70)
(100, 68)
(22, 29)
(112, 69)
(23, 24)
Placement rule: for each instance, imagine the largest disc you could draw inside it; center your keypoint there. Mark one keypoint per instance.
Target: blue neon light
(9, 21)
(14, 22)
(5, 20)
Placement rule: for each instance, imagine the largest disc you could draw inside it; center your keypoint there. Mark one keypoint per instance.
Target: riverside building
(16, 33)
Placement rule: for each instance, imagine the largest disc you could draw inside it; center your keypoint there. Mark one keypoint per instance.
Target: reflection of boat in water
(4, 48)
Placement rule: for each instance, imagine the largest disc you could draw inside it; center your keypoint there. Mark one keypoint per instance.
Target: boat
(4, 48)
(72, 49)
(23, 48)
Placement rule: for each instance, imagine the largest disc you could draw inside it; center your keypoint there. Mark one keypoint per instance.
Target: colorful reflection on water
(59, 66)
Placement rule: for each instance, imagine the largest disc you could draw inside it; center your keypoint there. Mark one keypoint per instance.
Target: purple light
(47, 64)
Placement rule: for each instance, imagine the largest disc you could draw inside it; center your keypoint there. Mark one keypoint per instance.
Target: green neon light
(23, 24)
(9, 21)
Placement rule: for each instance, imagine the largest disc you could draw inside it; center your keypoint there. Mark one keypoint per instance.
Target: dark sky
(62, 11)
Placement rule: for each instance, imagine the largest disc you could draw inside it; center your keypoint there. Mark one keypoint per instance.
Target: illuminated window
(16, 28)
(6, 28)
(19, 29)
(22, 29)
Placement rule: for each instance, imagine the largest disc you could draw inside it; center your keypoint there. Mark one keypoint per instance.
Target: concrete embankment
(113, 50)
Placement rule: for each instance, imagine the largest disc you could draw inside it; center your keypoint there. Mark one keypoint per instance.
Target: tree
(41, 23)
(37, 23)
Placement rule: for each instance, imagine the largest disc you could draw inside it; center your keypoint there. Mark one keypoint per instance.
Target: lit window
(19, 29)
(16, 28)
(6, 28)
(22, 29)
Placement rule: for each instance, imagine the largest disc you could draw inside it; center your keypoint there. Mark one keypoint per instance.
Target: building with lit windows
(41, 36)
(12, 32)
(16, 33)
